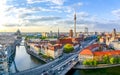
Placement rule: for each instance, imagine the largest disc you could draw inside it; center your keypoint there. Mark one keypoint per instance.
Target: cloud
(39, 9)
(116, 13)
(30, 14)
(76, 5)
(57, 2)
(11, 25)
(2, 11)
(82, 15)
(67, 8)
(43, 18)
(35, 1)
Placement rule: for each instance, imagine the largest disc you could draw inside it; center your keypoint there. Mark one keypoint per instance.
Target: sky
(49, 15)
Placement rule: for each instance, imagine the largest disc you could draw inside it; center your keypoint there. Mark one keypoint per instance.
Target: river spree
(23, 60)
(105, 71)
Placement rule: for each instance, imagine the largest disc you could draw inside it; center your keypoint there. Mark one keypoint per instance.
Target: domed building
(18, 34)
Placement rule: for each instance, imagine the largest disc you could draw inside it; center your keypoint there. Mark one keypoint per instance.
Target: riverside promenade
(100, 66)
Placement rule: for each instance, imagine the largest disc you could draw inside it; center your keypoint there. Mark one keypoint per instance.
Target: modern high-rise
(71, 33)
(51, 34)
(114, 33)
(86, 30)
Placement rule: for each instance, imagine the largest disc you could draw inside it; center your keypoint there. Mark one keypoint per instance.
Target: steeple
(75, 24)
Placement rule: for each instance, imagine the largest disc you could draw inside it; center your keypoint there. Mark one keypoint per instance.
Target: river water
(23, 60)
(105, 71)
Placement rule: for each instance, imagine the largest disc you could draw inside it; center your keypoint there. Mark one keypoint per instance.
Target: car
(52, 66)
(59, 72)
(44, 74)
(69, 63)
(58, 69)
(62, 68)
(73, 59)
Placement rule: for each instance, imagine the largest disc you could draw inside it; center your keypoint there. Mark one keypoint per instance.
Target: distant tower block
(86, 30)
(51, 33)
(71, 33)
(75, 24)
(114, 33)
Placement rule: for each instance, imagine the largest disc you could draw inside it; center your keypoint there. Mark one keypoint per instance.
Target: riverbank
(100, 66)
(40, 57)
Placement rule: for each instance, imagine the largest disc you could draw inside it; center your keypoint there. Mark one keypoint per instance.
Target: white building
(115, 44)
(55, 50)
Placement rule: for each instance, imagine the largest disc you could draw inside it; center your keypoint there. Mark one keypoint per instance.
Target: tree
(98, 37)
(90, 62)
(106, 59)
(43, 37)
(68, 48)
(119, 60)
(27, 38)
(85, 62)
(95, 63)
(112, 60)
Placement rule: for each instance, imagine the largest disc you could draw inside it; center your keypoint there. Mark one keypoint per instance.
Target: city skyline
(46, 15)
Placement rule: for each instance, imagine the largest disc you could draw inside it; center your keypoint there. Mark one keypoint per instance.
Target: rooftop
(7, 39)
(108, 52)
(88, 51)
(92, 46)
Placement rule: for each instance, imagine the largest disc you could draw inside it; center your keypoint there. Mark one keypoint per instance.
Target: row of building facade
(102, 48)
(53, 48)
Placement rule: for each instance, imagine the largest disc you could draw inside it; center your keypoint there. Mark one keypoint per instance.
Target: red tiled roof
(77, 39)
(92, 46)
(65, 41)
(86, 52)
(55, 47)
(101, 53)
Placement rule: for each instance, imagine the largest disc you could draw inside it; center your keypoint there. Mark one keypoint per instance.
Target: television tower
(75, 24)
(58, 34)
